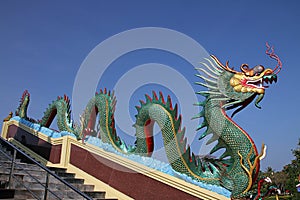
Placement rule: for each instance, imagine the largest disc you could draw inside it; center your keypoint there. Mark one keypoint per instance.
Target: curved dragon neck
(224, 128)
(177, 151)
(24, 102)
(240, 154)
(22, 110)
(60, 109)
(241, 159)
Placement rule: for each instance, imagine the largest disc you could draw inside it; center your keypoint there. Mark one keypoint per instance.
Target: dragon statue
(236, 169)
(271, 189)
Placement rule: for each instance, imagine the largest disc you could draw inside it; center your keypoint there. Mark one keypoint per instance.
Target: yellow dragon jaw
(257, 83)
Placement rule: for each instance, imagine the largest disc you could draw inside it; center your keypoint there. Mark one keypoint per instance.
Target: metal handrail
(2, 140)
(11, 175)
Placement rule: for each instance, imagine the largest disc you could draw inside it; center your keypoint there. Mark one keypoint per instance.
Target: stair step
(5, 176)
(96, 194)
(74, 180)
(4, 157)
(5, 150)
(3, 184)
(39, 193)
(37, 186)
(23, 172)
(65, 175)
(25, 194)
(24, 177)
(32, 172)
(84, 187)
(104, 199)
(9, 161)
(54, 186)
(19, 165)
(6, 193)
(60, 192)
(56, 170)
(42, 179)
(25, 167)
(79, 186)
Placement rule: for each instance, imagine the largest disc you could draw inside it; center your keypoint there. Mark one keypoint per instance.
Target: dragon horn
(226, 67)
(271, 54)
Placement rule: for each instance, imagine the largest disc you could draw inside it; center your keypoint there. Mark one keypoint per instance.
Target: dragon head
(253, 80)
(241, 87)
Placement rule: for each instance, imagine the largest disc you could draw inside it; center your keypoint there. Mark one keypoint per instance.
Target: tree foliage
(293, 171)
(287, 179)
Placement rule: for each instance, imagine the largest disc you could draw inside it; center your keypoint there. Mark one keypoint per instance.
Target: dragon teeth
(270, 79)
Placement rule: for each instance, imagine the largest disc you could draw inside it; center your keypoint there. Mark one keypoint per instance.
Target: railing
(5, 143)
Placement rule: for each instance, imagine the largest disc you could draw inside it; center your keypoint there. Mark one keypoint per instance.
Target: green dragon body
(236, 169)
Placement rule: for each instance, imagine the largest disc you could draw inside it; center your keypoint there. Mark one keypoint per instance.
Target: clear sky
(44, 43)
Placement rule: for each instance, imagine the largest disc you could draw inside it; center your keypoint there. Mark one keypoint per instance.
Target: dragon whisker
(210, 69)
(207, 79)
(215, 66)
(210, 75)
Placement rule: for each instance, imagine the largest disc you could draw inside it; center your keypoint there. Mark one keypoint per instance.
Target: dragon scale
(236, 169)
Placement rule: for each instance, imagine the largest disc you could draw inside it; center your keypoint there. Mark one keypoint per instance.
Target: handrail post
(46, 186)
(12, 169)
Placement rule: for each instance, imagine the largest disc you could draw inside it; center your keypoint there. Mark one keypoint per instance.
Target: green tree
(270, 173)
(292, 171)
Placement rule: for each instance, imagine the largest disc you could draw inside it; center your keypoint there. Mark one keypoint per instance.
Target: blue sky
(43, 45)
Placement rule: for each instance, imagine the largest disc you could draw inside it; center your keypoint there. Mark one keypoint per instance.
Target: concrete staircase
(28, 180)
